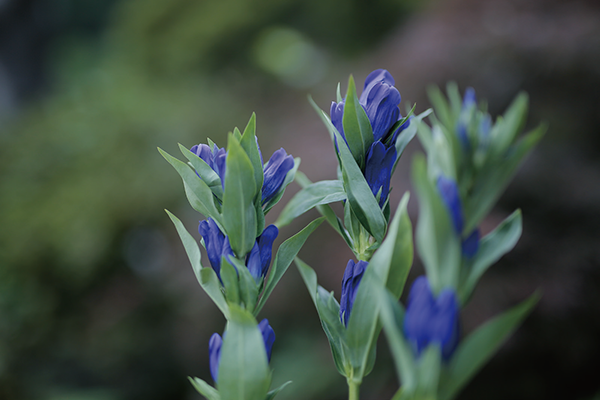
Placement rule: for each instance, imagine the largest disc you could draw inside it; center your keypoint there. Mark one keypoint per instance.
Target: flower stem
(353, 390)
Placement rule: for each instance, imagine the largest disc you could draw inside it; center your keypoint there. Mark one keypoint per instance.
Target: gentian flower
(215, 159)
(259, 258)
(216, 342)
(378, 169)
(380, 100)
(216, 243)
(275, 172)
(430, 319)
(217, 246)
(352, 277)
(451, 198)
(214, 354)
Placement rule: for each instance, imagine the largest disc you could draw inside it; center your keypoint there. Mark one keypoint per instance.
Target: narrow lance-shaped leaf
(250, 146)
(210, 177)
(493, 246)
(202, 199)
(477, 348)
(239, 214)
(318, 193)
(437, 243)
(494, 179)
(357, 127)
(365, 206)
(206, 276)
(205, 389)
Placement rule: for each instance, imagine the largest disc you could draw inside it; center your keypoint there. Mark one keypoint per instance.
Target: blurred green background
(97, 300)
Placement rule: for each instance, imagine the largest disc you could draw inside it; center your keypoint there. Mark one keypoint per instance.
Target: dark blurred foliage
(97, 300)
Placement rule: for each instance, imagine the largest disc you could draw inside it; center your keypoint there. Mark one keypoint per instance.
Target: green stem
(353, 390)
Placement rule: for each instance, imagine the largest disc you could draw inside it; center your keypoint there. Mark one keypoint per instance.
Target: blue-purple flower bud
(352, 277)
(215, 242)
(268, 335)
(275, 172)
(259, 258)
(378, 169)
(216, 342)
(215, 159)
(217, 246)
(380, 100)
(470, 99)
(432, 320)
(214, 354)
(470, 245)
(450, 196)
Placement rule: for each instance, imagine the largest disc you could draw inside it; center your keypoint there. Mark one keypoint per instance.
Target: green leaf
(495, 177)
(331, 324)
(394, 257)
(326, 210)
(428, 370)
(243, 368)
(229, 276)
(248, 287)
(239, 214)
(493, 246)
(324, 117)
(250, 146)
(437, 243)
(388, 267)
(365, 206)
(357, 127)
(285, 255)
(289, 178)
(323, 192)
(406, 136)
(477, 348)
(206, 276)
(392, 318)
(210, 177)
(271, 395)
(441, 106)
(507, 128)
(205, 389)
(197, 191)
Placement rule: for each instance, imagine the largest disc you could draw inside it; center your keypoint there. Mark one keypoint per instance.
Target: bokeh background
(97, 299)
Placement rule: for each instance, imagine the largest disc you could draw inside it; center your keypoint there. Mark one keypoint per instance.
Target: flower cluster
(274, 171)
(217, 247)
(380, 100)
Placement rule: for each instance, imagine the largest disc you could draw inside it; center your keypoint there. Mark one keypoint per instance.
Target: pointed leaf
(477, 348)
(357, 127)
(365, 206)
(250, 146)
(493, 246)
(271, 395)
(206, 276)
(437, 243)
(202, 199)
(210, 177)
(205, 389)
(239, 214)
(323, 192)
